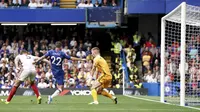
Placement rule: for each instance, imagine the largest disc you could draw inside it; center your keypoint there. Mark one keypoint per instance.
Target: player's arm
(40, 59)
(43, 57)
(94, 69)
(77, 59)
(17, 62)
(73, 58)
(43, 60)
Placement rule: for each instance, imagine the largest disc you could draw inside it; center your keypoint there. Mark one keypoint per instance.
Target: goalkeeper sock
(56, 93)
(12, 93)
(106, 94)
(35, 89)
(94, 94)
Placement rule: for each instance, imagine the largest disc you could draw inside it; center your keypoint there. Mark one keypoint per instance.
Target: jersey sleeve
(95, 62)
(17, 59)
(66, 56)
(34, 57)
(48, 53)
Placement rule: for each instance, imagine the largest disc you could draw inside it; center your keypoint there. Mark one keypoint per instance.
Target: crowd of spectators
(52, 3)
(28, 3)
(141, 49)
(96, 3)
(172, 61)
(37, 40)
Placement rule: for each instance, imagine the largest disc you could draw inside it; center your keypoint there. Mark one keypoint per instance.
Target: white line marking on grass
(161, 102)
(84, 109)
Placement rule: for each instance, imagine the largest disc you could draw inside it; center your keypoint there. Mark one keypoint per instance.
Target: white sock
(56, 93)
(113, 97)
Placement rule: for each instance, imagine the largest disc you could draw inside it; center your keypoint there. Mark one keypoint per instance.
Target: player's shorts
(105, 80)
(27, 75)
(59, 76)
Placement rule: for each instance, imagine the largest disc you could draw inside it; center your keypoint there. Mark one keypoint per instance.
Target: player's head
(24, 51)
(58, 45)
(95, 51)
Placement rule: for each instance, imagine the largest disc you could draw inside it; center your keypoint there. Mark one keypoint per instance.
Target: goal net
(180, 56)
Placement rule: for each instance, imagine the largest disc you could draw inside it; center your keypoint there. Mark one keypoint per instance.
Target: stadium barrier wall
(156, 6)
(73, 92)
(153, 88)
(42, 15)
(58, 15)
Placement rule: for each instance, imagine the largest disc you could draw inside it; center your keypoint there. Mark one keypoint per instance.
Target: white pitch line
(53, 109)
(161, 102)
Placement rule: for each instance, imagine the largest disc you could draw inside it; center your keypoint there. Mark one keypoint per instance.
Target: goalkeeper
(104, 81)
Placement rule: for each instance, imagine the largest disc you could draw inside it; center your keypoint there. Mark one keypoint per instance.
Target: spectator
(193, 52)
(87, 44)
(44, 40)
(3, 68)
(4, 50)
(10, 3)
(157, 73)
(150, 78)
(54, 2)
(88, 52)
(73, 42)
(88, 65)
(48, 5)
(156, 56)
(8, 47)
(89, 4)
(82, 74)
(114, 3)
(17, 2)
(14, 49)
(149, 43)
(51, 85)
(97, 4)
(136, 39)
(40, 4)
(6, 85)
(146, 58)
(48, 74)
(42, 84)
(52, 45)
(25, 2)
(81, 54)
(81, 5)
(4, 59)
(3, 4)
(105, 3)
(66, 50)
(32, 4)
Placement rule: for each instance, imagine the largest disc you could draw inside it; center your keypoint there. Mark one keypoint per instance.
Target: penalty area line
(145, 99)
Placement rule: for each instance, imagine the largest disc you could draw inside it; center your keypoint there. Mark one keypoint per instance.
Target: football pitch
(80, 104)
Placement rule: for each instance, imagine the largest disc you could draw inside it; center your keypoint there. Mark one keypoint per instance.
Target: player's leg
(101, 90)
(12, 92)
(22, 77)
(94, 90)
(34, 87)
(60, 83)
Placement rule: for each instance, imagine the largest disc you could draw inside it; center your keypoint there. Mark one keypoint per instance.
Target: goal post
(179, 85)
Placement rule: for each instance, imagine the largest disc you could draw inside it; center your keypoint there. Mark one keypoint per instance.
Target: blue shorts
(59, 76)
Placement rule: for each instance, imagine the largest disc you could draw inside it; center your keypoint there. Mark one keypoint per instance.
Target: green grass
(80, 104)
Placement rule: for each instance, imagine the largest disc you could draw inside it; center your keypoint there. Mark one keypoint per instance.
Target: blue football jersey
(57, 58)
